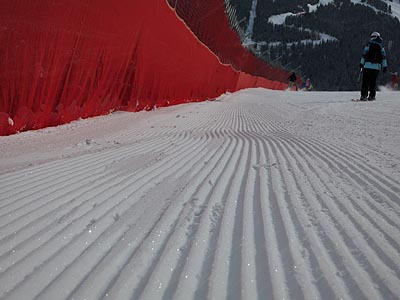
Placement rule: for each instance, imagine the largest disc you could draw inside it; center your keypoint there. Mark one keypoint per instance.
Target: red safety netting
(68, 59)
(209, 23)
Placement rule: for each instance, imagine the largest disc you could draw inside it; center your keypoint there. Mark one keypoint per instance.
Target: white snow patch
(279, 19)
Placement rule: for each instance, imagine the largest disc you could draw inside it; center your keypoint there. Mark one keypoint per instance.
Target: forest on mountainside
(331, 64)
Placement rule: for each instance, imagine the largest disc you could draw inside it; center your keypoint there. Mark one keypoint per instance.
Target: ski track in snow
(257, 195)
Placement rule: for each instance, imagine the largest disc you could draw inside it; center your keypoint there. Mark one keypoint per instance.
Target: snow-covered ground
(257, 195)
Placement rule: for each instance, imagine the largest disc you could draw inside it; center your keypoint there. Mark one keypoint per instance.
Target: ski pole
(359, 75)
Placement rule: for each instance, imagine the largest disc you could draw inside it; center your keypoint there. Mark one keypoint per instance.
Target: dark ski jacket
(292, 77)
(374, 55)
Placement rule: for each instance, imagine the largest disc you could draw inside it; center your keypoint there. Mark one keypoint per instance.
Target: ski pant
(369, 83)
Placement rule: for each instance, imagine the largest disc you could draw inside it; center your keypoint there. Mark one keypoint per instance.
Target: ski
(358, 100)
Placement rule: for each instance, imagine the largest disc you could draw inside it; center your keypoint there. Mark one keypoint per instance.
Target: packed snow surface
(257, 195)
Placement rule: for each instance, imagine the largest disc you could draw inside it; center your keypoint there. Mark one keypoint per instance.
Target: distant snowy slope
(280, 19)
(395, 8)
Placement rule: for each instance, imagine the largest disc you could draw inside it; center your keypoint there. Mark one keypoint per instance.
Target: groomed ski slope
(256, 195)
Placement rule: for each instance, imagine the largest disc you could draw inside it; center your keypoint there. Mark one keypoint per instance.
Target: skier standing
(292, 79)
(372, 61)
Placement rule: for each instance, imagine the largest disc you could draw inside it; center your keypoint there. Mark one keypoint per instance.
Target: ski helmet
(375, 35)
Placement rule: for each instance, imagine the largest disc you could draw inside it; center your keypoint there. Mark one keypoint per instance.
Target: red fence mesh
(208, 22)
(61, 60)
